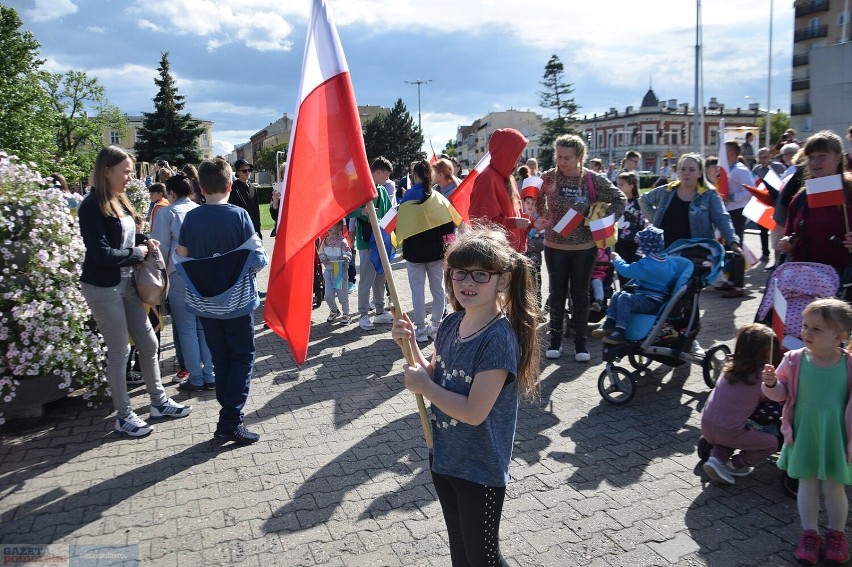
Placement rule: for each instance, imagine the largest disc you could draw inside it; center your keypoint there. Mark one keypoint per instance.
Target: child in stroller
(668, 335)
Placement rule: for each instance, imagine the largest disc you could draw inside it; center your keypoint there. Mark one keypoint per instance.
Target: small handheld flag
(569, 222)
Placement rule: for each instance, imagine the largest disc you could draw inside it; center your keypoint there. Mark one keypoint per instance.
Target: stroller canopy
(702, 251)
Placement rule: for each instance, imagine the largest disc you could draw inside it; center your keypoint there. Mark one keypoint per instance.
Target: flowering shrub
(46, 328)
(139, 198)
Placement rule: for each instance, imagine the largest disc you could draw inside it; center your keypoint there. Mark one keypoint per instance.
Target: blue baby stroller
(668, 335)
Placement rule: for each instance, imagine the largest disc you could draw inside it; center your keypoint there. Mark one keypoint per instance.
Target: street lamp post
(419, 82)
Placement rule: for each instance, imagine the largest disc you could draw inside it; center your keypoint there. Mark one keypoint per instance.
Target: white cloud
(46, 10)
(95, 29)
(149, 25)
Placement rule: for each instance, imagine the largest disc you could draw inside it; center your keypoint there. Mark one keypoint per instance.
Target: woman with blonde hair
(445, 177)
(112, 249)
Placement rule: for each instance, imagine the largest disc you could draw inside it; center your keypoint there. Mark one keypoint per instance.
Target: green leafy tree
(556, 96)
(451, 148)
(779, 124)
(82, 113)
(395, 136)
(26, 114)
(166, 133)
(264, 159)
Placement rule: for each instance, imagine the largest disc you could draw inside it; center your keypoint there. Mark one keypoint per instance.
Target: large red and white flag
(531, 187)
(327, 174)
(602, 228)
(825, 191)
(759, 212)
(724, 166)
(568, 223)
(460, 197)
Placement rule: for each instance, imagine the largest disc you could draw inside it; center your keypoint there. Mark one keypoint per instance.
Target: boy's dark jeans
(231, 343)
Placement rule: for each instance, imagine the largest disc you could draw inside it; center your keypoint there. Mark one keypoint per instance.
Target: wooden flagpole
(406, 346)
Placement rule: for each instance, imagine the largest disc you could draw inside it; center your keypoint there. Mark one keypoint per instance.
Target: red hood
(506, 145)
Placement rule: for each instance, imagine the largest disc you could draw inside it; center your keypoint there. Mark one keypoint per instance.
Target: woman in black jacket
(109, 288)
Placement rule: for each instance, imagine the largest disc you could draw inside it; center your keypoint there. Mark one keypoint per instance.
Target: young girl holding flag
(486, 356)
(814, 383)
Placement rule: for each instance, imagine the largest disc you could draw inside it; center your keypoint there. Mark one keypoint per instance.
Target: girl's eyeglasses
(479, 276)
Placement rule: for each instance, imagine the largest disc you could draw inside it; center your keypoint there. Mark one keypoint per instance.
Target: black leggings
(574, 266)
(472, 513)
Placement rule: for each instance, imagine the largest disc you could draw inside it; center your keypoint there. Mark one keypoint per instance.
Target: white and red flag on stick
(602, 228)
(327, 174)
(757, 211)
(460, 196)
(569, 222)
(825, 191)
(388, 222)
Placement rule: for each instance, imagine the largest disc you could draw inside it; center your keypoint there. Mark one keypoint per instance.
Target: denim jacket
(706, 211)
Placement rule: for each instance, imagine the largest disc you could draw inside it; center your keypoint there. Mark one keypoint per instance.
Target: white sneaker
(169, 409)
(383, 318)
(132, 425)
(432, 330)
(718, 472)
(421, 335)
(554, 351)
(332, 316)
(696, 348)
(365, 323)
(742, 471)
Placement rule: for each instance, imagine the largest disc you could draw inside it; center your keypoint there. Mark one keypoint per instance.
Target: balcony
(811, 7)
(801, 59)
(813, 32)
(800, 108)
(801, 85)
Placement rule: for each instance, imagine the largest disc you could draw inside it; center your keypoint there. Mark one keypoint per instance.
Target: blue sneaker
(616, 337)
(240, 436)
(351, 287)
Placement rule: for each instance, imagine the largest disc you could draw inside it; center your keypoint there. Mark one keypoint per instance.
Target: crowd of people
(485, 283)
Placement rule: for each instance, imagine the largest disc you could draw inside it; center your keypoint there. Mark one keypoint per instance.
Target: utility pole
(418, 82)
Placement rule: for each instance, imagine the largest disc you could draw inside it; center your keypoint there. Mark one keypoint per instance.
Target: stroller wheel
(703, 449)
(639, 362)
(714, 360)
(616, 385)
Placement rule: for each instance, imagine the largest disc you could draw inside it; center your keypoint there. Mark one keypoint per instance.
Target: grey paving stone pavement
(340, 475)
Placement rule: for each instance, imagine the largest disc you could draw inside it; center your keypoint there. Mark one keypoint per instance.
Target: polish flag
(388, 222)
(772, 180)
(825, 191)
(602, 228)
(434, 159)
(724, 166)
(568, 223)
(460, 197)
(531, 187)
(779, 315)
(327, 174)
(759, 212)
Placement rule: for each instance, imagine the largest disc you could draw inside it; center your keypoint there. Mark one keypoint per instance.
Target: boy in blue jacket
(654, 277)
(218, 254)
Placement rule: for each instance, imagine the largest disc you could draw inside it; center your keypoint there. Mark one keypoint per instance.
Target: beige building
(818, 24)
(127, 139)
(659, 129)
(472, 140)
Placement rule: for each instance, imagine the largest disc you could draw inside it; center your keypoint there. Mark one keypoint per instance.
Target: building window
(713, 134)
(114, 138)
(813, 24)
(842, 18)
(649, 137)
(138, 137)
(205, 139)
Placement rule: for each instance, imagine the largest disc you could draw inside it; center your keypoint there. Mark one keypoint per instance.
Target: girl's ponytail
(522, 309)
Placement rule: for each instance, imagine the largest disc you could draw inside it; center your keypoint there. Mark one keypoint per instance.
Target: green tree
(451, 148)
(264, 159)
(166, 133)
(26, 115)
(556, 96)
(395, 136)
(82, 113)
(779, 124)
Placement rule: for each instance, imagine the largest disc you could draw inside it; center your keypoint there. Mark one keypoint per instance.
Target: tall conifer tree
(166, 133)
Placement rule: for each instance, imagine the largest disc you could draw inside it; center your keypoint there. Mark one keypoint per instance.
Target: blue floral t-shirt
(480, 453)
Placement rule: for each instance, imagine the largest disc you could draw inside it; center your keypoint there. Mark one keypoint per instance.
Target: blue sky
(238, 62)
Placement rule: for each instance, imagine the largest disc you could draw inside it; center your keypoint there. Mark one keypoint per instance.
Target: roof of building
(650, 100)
